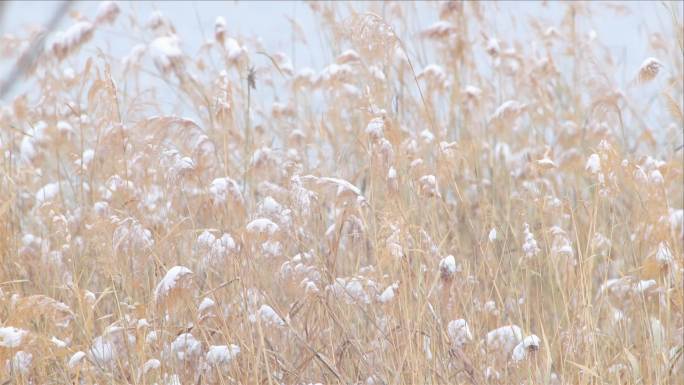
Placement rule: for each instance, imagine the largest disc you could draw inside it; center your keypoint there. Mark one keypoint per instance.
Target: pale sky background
(626, 36)
(267, 19)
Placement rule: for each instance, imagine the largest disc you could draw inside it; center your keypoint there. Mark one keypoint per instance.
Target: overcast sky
(626, 36)
(194, 21)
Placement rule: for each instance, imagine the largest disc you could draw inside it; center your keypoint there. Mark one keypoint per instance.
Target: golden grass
(438, 205)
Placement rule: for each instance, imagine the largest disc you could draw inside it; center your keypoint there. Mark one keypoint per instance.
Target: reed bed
(435, 205)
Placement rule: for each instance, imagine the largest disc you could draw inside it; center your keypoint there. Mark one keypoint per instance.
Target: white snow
(392, 173)
(547, 163)
(389, 293)
(433, 72)
(351, 290)
(342, 185)
(205, 304)
(593, 164)
(492, 235)
(262, 226)
(426, 348)
(11, 337)
(348, 56)
(173, 277)
(336, 71)
(222, 354)
(47, 193)
(493, 47)
(649, 69)
(375, 127)
(206, 239)
(459, 332)
(530, 247)
(529, 343)
(214, 251)
(76, 359)
(447, 266)
(102, 351)
(20, 363)
(186, 347)
(644, 285)
(438, 29)
(656, 177)
(504, 339)
(472, 91)
(74, 35)
(57, 342)
(107, 12)
(65, 127)
(165, 51)
(507, 110)
(664, 255)
(151, 364)
(269, 316)
(233, 49)
(650, 61)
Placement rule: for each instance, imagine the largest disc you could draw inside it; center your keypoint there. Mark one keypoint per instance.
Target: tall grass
(436, 205)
